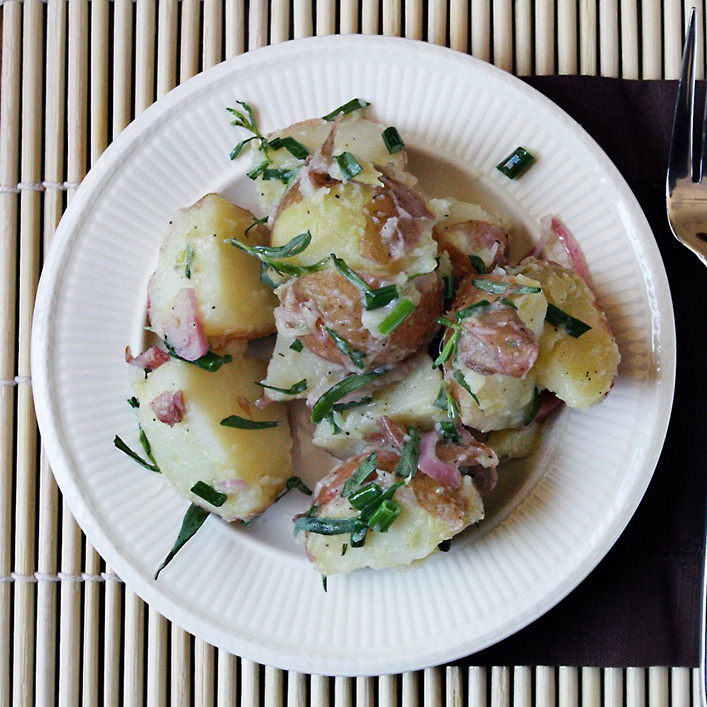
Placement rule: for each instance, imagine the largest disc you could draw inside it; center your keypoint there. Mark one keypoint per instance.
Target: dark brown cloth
(640, 606)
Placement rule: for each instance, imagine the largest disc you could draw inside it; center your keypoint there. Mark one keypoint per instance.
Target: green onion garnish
(449, 350)
(329, 417)
(574, 327)
(410, 455)
(400, 313)
(367, 467)
(255, 223)
(295, 389)
(362, 497)
(242, 423)
(358, 533)
(210, 361)
(349, 274)
(449, 431)
(348, 107)
(478, 264)
(327, 401)
(348, 165)
(375, 299)
(325, 526)
(384, 516)
(516, 163)
(209, 494)
(293, 247)
(392, 140)
(189, 261)
(133, 402)
(297, 345)
(345, 347)
(258, 169)
(124, 448)
(534, 407)
(193, 520)
(294, 147)
(491, 286)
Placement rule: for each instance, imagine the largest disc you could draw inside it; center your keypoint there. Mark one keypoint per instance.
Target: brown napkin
(640, 607)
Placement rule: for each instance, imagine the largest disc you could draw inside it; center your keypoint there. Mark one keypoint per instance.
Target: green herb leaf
(193, 520)
(295, 389)
(324, 526)
(209, 494)
(294, 147)
(237, 149)
(255, 223)
(410, 455)
(491, 285)
(348, 107)
(384, 516)
(516, 163)
(472, 310)
(242, 423)
(400, 313)
(358, 533)
(534, 407)
(297, 345)
(349, 274)
(392, 140)
(340, 407)
(345, 347)
(441, 401)
(189, 261)
(362, 497)
(133, 402)
(283, 175)
(449, 350)
(136, 457)
(527, 290)
(459, 378)
(508, 303)
(324, 582)
(259, 169)
(146, 445)
(293, 247)
(344, 548)
(449, 431)
(210, 361)
(348, 165)
(294, 482)
(574, 327)
(327, 401)
(265, 276)
(375, 299)
(478, 264)
(368, 466)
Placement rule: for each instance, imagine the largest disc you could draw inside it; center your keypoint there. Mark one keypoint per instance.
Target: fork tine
(680, 159)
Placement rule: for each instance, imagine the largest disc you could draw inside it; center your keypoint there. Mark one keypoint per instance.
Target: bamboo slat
(74, 73)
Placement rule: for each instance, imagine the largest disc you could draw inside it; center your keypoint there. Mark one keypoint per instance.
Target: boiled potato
(581, 370)
(249, 466)
(410, 402)
(430, 514)
(232, 302)
(355, 134)
(515, 443)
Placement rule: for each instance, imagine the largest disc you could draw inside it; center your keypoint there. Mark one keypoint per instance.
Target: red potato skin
(479, 235)
(339, 304)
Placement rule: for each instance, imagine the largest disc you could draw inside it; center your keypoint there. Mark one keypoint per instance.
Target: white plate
(251, 590)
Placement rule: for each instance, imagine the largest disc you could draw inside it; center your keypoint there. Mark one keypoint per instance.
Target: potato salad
(424, 354)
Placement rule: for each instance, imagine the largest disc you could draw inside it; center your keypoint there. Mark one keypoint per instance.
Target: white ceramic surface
(251, 590)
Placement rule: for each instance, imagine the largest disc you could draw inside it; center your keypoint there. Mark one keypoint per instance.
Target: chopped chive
(190, 260)
(478, 264)
(193, 520)
(329, 417)
(340, 407)
(375, 299)
(295, 389)
(459, 378)
(574, 327)
(133, 402)
(258, 169)
(294, 482)
(349, 274)
(358, 533)
(324, 582)
(450, 286)
(449, 350)
(348, 165)
(508, 303)
(344, 548)
(410, 455)
(441, 401)
(294, 147)
(237, 149)
(356, 356)
(392, 140)
(295, 246)
(491, 285)
(241, 423)
(516, 163)
(452, 408)
(348, 107)
(297, 345)
(527, 290)
(534, 407)
(282, 175)
(402, 311)
(360, 498)
(340, 389)
(324, 526)
(384, 516)
(445, 545)
(209, 494)
(283, 268)
(124, 448)
(210, 361)
(367, 467)
(445, 401)
(449, 431)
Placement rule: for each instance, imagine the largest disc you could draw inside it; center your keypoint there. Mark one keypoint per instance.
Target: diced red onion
(560, 246)
(185, 330)
(169, 407)
(433, 466)
(148, 360)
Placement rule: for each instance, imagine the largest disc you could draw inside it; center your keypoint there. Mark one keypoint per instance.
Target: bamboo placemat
(74, 73)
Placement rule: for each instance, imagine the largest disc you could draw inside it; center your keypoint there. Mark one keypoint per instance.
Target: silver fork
(686, 198)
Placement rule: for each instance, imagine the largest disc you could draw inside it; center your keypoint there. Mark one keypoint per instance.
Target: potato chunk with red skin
(431, 513)
(332, 302)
